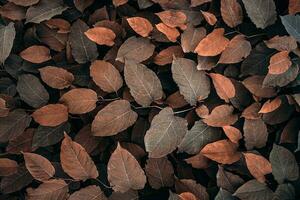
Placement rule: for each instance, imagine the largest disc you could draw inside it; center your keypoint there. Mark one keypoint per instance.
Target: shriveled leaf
(255, 133)
(194, 85)
(280, 63)
(261, 12)
(254, 190)
(80, 100)
(124, 172)
(39, 167)
(221, 116)
(101, 36)
(114, 118)
(8, 167)
(231, 12)
(140, 25)
(199, 136)
(7, 37)
(213, 44)
(56, 77)
(36, 54)
(91, 192)
(160, 172)
(106, 76)
(165, 133)
(144, 85)
(75, 161)
(223, 85)
(51, 115)
(191, 37)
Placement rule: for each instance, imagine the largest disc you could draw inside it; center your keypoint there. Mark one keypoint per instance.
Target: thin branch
(183, 111)
(106, 186)
(146, 107)
(101, 98)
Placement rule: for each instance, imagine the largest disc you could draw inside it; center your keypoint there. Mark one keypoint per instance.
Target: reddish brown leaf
(8, 167)
(188, 196)
(202, 111)
(36, 54)
(119, 2)
(101, 35)
(22, 143)
(251, 112)
(170, 32)
(294, 7)
(231, 12)
(12, 11)
(224, 87)
(254, 85)
(222, 151)
(3, 109)
(91, 192)
(209, 17)
(280, 63)
(282, 43)
(61, 25)
(270, 106)
(221, 116)
(233, 134)
(213, 44)
(56, 77)
(195, 3)
(198, 161)
(166, 55)
(173, 18)
(189, 185)
(191, 37)
(140, 25)
(176, 100)
(51, 115)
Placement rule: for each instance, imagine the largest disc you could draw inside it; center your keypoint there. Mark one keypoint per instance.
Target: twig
(146, 107)
(101, 98)
(183, 111)
(106, 186)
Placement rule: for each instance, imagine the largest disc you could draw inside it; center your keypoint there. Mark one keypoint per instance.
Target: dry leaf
(294, 7)
(222, 151)
(56, 77)
(209, 17)
(224, 87)
(8, 167)
(61, 25)
(187, 196)
(221, 116)
(270, 106)
(233, 134)
(114, 118)
(12, 11)
(191, 37)
(255, 85)
(255, 133)
(213, 44)
(231, 12)
(140, 25)
(282, 43)
(173, 19)
(195, 3)
(75, 161)
(106, 76)
(101, 35)
(176, 100)
(198, 161)
(24, 3)
(119, 2)
(280, 63)
(3, 109)
(166, 56)
(91, 192)
(171, 33)
(124, 172)
(51, 115)
(80, 100)
(7, 36)
(81, 5)
(36, 54)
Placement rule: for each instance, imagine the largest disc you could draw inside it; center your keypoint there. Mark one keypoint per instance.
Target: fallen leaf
(294, 7)
(198, 161)
(8, 167)
(91, 192)
(166, 56)
(140, 25)
(101, 36)
(13, 11)
(270, 106)
(173, 18)
(119, 2)
(254, 85)
(223, 85)
(231, 12)
(36, 54)
(7, 37)
(255, 133)
(191, 37)
(56, 77)
(227, 180)
(176, 100)
(290, 23)
(280, 63)
(24, 3)
(209, 17)
(195, 3)
(81, 5)
(221, 116)
(282, 43)
(254, 190)
(51, 115)
(233, 134)
(3, 109)
(187, 196)
(189, 185)
(61, 25)
(171, 33)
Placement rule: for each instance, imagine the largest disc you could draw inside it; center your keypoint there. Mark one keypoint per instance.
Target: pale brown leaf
(270, 106)
(56, 77)
(223, 85)
(166, 56)
(280, 63)
(255, 85)
(8, 167)
(173, 18)
(171, 33)
(101, 35)
(13, 11)
(51, 115)
(24, 3)
(282, 43)
(209, 17)
(195, 3)
(36, 54)
(140, 25)
(231, 12)
(191, 37)
(91, 192)
(221, 116)
(233, 134)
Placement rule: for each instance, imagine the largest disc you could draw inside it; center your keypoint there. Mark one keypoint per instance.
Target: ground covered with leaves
(149, 99)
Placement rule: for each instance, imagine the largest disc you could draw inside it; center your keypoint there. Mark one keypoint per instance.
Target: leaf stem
(183, 111)
(103, 184)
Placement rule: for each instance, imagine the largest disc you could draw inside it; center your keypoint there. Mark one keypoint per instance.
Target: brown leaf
(49, 190)
(8, 167)
(166, 56)
(191, 37)
(221, 116)
(280, 63)
(195, 3)
(106, 76)
(198, 161)
(170, 32)
(51, 115)
(91, 192)
(258, 166)
(251, 112)
(80, 100)
(61, 25)
(294, 7)
(254, 85)
(140, 25)
(160, 172)
(223, 85)
(237, 49)
(101, 35)
(255, 133)
(282, 43)
(233, 134)
(39, 167)
(3, 109)
(21, 143)
(222, 151)
(12, 11)
(85, 138)
(81, 5)
(202, 111)
(213, 44)
(189, 185)
(206, 63)
(173, 18)
(75, 161)
(24, 3)
(56, 77)
(124, 172)
(119, 2)
(231, 12)
(188, 196)
(209, 17)
(114, 118)
(228, 180)
(36, 54)
(176, 100)
(270, 106)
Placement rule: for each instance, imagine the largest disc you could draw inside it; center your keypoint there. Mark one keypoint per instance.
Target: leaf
(194, 85)
(91, 192)
(209, 17)
(24, 2)
(166, 56)
(81, 5)
(39, 167)
(83, 49)
(254, 190)
(223, 194)
(191, 37)
(213, 44)
(80, 100)
(44, 10)
(224, 87)
(173, 18)
(255, 85)
(189, 185)
(36, 54)
(16, 181)
(119, 2)
(140, 25)
(21, 142)
(261, 12)
(237, 49)
(233, 134)
(7, 37)
(270, 106)
(144, 85)
(114, 118)
(255, 133)
(294, 7)
(228, 180)
(8, 167)
(12, 11)
(51, 115)
(284, 164)
(85, 138)
(101, 36)
(291, 24)
(199, 136)
(160, 172)
(176, 100)
(75, 161)
(135, 46)
(222, 151)
(221, 116)
(171, 33)
(280, 63)
(124, 172)
(106, 76)
(258, 166)
(231, 12)
(56, 77)
(165, 133)
(187, 196)
(282, 43)
(195, 3)
(13, 125)
(285, 191)
(52, 189)
(173, 196)
(129, 195)
(198, 161)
